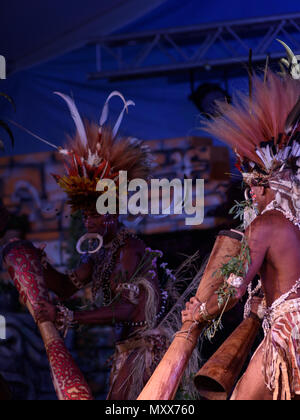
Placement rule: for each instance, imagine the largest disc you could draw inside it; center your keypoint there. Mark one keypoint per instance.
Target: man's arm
(118, 312)
(123, 309)
(258, 238)
(130, 257)
(62, 285)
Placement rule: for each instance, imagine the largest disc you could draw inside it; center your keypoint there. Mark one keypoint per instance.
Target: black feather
(293, 118)
(9, 132)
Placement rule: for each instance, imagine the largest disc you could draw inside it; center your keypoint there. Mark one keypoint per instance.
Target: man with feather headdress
(125, 288)
(264, 132)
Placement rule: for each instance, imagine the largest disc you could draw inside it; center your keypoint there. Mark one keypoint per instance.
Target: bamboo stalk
(24, 266)
(164, 383)
(216, 379)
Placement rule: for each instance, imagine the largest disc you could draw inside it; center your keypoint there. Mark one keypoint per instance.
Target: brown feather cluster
(102, 158)
(248, 122)
(123, 154)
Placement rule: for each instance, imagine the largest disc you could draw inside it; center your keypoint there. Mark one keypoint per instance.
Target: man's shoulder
(270, 220)
(275, 216)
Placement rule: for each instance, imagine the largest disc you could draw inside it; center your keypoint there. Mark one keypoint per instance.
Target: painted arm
(122, 309)
(61, 284)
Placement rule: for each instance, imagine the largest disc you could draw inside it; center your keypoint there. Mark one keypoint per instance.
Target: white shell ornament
(89, 237)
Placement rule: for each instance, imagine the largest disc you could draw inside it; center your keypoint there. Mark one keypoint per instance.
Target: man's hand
(191, 312)
(46, 312)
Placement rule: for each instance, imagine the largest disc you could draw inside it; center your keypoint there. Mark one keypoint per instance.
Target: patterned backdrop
(27, 187)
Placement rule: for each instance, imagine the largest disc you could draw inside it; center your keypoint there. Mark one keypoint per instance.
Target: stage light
(205, 95)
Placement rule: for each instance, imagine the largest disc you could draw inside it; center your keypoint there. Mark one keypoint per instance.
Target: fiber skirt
(282, 351)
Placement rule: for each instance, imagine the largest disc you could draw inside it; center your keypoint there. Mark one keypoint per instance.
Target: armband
(64, 319)
(75, 280)
(204, 313)
(133, 290)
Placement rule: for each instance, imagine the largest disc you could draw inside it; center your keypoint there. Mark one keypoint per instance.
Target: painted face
(252, 193)
(97, 223)
(258, 197)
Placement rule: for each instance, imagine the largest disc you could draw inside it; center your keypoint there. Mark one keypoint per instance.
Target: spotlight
(205, 95)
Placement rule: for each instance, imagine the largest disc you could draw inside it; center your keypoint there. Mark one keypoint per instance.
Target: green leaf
(9, 99)
(9, 132)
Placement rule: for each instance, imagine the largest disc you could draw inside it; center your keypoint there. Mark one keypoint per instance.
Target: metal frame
(197, 47)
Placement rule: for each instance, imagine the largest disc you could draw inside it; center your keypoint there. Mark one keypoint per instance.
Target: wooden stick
(26, 271)
(216, 379)
(164, 383)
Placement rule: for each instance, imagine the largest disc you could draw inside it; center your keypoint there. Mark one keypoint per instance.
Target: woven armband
(75, 280)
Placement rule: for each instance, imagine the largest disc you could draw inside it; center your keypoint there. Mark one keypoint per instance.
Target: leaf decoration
(239, 266)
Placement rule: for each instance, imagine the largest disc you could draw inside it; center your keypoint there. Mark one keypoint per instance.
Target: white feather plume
(119, 120)
(76, 117)
(105, 111)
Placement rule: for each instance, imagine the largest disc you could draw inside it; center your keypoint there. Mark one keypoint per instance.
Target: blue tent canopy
(46, 49)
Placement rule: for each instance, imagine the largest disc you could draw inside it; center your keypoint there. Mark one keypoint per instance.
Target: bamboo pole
(216, 379)
(26, 271)
(166, 379)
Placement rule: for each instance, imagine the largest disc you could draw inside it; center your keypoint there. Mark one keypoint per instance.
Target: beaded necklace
(105, 262)
(164, 298)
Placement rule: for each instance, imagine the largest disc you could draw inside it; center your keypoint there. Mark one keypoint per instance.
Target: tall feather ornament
(76, 117)
(105, 111)
(120, 119)
(245, 124)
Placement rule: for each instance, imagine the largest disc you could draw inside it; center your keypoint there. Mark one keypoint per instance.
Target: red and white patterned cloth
(282, 351)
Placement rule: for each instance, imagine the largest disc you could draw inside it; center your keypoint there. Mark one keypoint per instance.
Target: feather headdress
(95, 153)
(264, 131)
